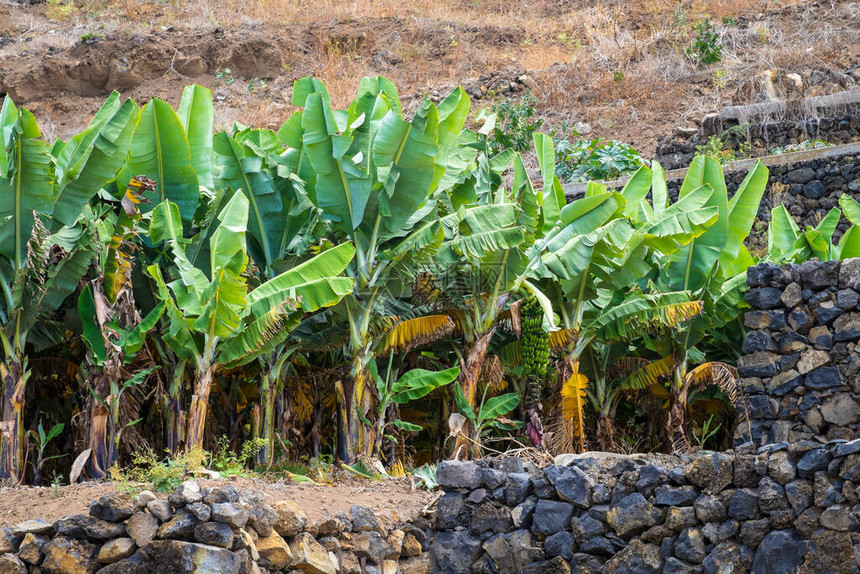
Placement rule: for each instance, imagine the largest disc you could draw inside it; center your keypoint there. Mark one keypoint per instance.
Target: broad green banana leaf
(92, 158)
(742, 211)
(314, 283)
(238, 167)
(26, 180)
(196, 114)
(782, 234)
(689, 267)
(160, 151)
(341, 189)
(553, 195)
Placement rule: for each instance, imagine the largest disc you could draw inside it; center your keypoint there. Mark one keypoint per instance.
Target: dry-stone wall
(801, 368)
(841, 128)
(219, 530)
(778, 509)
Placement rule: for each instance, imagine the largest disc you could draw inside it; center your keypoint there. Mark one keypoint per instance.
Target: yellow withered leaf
(573, 404)
(415, 332)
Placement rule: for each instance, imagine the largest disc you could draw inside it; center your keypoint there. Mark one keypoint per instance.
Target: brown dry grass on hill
(619, 66)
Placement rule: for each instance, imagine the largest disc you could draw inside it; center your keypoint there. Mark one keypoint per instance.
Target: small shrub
(225, 460)
(163, 475)
(256, 84)
(707, 432)
(515, 124)
(426, 476)
(56, 482)
(804, 145)
(729, 146)
(225, 75)
(718, 78)
(707, 47)
(92, 37)
(59, 10)
(595, 159)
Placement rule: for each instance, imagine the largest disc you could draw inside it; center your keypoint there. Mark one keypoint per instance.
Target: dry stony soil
(318, 501)
(617, 68)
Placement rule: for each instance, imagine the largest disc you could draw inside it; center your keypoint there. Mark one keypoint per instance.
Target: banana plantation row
(361, 285)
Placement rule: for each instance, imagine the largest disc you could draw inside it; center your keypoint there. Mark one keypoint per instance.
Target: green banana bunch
(535, 350)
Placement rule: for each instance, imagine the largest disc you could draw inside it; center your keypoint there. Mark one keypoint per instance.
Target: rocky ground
(50, 503)
(225, 529)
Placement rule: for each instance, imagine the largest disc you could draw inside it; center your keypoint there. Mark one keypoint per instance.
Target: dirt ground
(318, 501)
(612, 68)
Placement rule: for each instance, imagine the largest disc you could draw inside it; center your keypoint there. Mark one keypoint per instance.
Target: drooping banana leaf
(92, 158)
(314, 283)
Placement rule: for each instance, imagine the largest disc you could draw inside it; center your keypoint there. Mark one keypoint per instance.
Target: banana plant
(713, 268)
(284, 228)
(373, 175)
(487, 414)
(217, 322)
(602, 342)
(113, 330)
(43, 189)
(410, 386)
(787, 243)
(596, 269)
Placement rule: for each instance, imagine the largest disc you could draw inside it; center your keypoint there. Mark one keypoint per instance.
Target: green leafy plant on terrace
(731, 145)
(226, 461)
(707, 48)
(595, 159)
(801, 146)
(40, 443)
(226, 75)
(162, 474)
(515, 124)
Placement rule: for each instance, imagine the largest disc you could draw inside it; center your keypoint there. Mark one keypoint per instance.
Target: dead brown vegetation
(618, 66)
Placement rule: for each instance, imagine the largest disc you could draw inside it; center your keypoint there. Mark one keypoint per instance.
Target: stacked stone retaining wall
(778, 509)
(802, 353)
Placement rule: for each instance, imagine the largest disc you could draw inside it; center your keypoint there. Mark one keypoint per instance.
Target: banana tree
(486, 414)
(283, 227)
(787, 243)
(44, 188)
(412, 385)
(600, 361)
(487, 259)
(113, 330)
(594, 265)
(712, 267)
(217, 322)
(373, 175)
